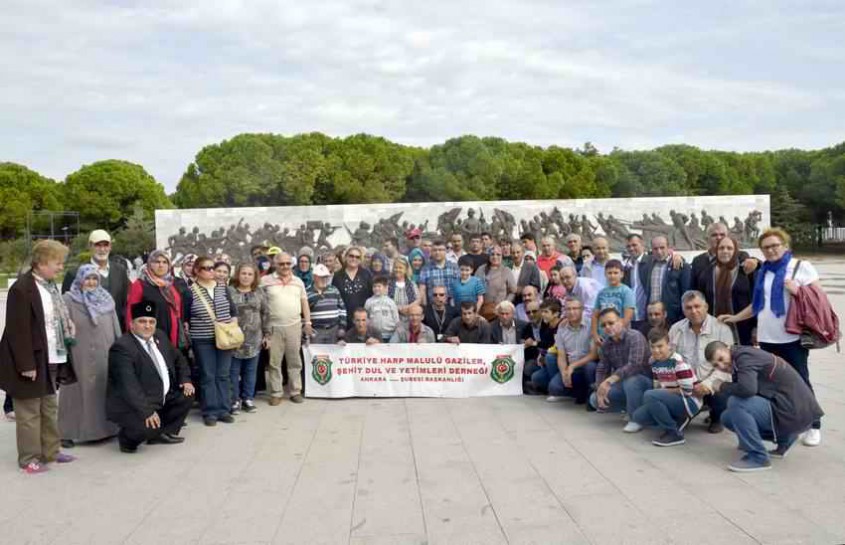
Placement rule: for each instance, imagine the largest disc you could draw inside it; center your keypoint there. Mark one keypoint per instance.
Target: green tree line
(277, 170)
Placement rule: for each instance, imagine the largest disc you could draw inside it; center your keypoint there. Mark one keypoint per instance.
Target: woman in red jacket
(155, 283)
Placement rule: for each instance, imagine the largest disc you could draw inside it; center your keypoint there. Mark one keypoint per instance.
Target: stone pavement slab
(436, 471)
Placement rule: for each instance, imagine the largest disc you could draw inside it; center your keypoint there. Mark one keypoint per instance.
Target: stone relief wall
(682, 219)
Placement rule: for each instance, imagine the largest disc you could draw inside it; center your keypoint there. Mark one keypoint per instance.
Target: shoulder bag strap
(795, 270)
(208, 308)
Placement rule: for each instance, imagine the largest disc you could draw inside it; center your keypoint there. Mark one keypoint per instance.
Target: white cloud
(154, 82)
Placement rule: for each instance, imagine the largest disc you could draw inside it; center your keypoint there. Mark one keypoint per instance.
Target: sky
(152, 82)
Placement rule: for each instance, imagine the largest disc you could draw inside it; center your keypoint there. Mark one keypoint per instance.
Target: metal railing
(833, 234)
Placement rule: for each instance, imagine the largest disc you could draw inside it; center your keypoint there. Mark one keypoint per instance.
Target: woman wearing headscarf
(185, 277)
(402, 288)
(155, 283)
(417, 259)
(82, 406)
(303, 270)
(34, 357)
(379, 265)
(728, 289)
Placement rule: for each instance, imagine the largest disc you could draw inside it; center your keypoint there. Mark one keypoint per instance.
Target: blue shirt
(467, 291)
(619, 297)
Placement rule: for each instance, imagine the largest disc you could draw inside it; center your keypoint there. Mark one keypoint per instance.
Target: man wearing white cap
(328, 312)
(113, 274)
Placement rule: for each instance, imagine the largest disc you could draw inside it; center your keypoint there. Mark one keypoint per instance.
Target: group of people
(648, 334)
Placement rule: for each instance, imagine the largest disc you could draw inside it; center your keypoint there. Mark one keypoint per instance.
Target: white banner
(413, 370)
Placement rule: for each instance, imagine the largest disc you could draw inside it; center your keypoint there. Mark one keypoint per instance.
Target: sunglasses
(206, 268)
(284, 263)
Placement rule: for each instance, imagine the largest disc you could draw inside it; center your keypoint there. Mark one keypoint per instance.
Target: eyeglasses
(769, 247)
(284, 263)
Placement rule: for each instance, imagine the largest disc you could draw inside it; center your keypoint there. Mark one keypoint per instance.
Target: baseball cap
(321, 270)
(98, 235)
(274, 250)
(415, 232)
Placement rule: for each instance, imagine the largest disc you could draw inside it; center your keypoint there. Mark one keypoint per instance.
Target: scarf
(61, 318)
(416, 272)
(723, 293)
(307, 277)
(385, 265)
(776, 296)
(163, 283)
(409, 290)
(97, 301)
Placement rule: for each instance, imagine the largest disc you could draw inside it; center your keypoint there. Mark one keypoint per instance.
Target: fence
(833, 234)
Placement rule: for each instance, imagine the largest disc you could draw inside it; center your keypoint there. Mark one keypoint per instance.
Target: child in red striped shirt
(672, 404)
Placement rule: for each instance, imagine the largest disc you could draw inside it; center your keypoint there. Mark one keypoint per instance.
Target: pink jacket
(811, 310)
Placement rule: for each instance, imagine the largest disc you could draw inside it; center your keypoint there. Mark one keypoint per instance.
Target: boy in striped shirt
(672, 404)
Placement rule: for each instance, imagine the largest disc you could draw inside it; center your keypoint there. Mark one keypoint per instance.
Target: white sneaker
(632, 427)
(812, 438)
(554, 399)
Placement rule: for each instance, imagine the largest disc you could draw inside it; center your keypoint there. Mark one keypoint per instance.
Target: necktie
(165, 381)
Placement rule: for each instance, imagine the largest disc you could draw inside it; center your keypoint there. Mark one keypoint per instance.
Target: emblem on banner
(502, 369)
(321, 369)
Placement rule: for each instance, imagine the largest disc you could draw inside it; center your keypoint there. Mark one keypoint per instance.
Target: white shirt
(770, 328)
(53, 355)
(691, 347)
(102, 272)
(158, 359)
(517, 270)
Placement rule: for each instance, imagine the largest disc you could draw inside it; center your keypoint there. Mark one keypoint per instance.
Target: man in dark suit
(149, 389)
(526, 274)
(113, 274)
(506, 329)
(661, 282)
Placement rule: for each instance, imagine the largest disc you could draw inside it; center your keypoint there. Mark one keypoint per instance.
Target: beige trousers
(37, 426)
(285, 342)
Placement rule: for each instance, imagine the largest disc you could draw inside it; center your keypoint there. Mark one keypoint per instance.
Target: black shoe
(166, 439)
(67, 443)
(781, 451)
(669, 439)
(715, 427)
(209, 421)
(226, 419)
(126, 449)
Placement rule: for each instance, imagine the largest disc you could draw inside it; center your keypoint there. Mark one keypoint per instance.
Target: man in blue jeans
(769, 401)
(623, 374)
(576, 355)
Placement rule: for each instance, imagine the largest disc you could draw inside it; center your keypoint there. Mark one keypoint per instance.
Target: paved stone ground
(396, 471)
